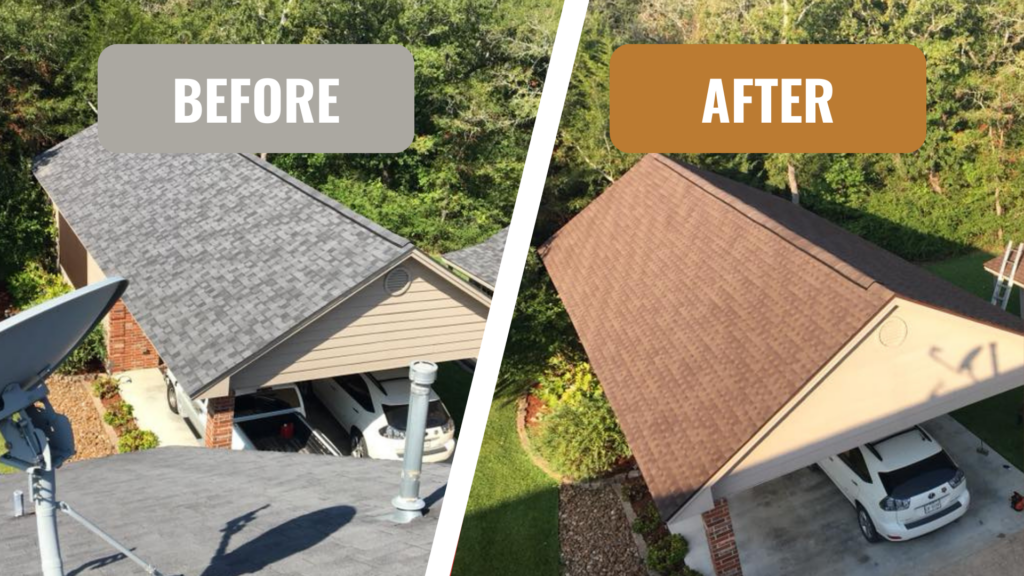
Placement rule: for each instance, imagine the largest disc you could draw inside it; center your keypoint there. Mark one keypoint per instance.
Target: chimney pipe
(408, 504)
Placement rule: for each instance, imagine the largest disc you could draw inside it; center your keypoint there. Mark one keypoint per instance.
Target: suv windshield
(398, 415)
(919, 477)
(266, 401)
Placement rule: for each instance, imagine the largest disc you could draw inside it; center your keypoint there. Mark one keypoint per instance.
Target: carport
(243, 277)
(740, 338)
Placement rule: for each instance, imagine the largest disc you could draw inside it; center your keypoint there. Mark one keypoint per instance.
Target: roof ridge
(327, 201)
(688, 173)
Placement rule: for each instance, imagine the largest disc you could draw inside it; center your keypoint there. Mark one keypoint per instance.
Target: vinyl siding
(433, 320)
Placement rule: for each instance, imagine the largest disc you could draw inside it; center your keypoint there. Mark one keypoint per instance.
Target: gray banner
(256, 98)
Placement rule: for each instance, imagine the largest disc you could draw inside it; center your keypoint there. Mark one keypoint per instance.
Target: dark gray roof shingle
(204, 512)
(482, 260)
(224, 253)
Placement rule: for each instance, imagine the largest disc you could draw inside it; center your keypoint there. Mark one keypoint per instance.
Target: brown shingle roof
(994, 264)
(705, 305)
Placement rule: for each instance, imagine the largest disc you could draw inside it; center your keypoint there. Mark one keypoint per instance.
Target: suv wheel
(358, 444)
(867, 526)
(172, 399)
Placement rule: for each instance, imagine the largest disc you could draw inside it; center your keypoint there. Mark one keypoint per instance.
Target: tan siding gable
(373, 330)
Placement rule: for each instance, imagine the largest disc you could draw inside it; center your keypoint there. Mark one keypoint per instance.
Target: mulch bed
(71, 396)
(595, 535)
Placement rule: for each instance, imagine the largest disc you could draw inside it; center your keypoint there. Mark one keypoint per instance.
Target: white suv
(902, 486)
(374, 407)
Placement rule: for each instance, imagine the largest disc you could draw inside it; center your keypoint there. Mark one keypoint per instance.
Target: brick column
(725, 556)
(220, 417)
(127, 345)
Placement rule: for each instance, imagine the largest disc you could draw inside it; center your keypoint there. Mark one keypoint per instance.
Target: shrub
(634, 489)
(34, 285)
(648, 520)
(105, 388)
(566, 382)
(582, 439)
(666, 556)
(119, 415)
(135, 440)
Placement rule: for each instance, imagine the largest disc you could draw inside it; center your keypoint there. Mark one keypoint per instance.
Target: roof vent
(397, 282)
(893, 332)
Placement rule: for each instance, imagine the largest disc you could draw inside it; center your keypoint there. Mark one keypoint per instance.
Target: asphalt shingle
(224, 253)
(482, 260)
(705, 305)
(199, 512)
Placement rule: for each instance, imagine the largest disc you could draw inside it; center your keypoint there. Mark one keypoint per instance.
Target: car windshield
(919, 477)
(397, 416)
(266, 401)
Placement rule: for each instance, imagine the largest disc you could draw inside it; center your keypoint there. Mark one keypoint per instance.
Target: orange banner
(768, 98)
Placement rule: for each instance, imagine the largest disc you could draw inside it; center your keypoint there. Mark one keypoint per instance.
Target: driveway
(146, 392)
(802, 524)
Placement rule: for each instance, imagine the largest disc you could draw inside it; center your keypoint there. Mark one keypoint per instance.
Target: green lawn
(994, 420)
(511, 524)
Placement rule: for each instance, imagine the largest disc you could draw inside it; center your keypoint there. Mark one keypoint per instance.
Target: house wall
(78, 266)
(916, 364)
(373, 330)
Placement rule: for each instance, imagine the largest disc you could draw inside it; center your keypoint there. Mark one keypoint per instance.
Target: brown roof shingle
(994, 264)
(705, 305)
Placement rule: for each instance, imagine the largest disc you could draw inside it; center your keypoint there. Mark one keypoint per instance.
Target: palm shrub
(582, 439)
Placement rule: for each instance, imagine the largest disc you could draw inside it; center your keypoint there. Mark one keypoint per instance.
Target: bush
(119, 415)
(566, 382)
(666, 556)
(135, 440)
(582, 439)
(105, 388)
(648, 520)
(34, 285)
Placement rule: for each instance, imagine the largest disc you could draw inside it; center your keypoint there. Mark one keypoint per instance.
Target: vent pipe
(408, 504)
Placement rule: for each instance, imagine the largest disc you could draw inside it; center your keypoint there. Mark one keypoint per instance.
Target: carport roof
(219, 512)
(225, 254)
(705, 305)
(482, 260)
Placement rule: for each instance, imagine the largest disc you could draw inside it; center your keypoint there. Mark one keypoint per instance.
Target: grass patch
(452, 386)
(994, 420)
(511, 524)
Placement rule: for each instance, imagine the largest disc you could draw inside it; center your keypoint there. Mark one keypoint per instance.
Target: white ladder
(1004, 283)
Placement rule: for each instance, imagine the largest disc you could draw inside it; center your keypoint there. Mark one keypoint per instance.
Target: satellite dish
(35, 342)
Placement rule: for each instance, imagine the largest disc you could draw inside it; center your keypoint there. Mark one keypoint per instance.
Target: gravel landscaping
(595, 535)
(71, 397)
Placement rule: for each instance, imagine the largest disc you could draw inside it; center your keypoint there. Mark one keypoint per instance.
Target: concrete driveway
(146, 392)
(802, 524)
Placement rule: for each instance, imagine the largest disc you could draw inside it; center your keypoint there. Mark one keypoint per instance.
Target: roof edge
(331, 203)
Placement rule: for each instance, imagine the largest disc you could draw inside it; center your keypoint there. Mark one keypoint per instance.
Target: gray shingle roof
(225, 513)
(224, 253)
(482, 260)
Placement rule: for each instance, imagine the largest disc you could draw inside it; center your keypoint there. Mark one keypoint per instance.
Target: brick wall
(725, 556)
(220, 416)
(127, 345)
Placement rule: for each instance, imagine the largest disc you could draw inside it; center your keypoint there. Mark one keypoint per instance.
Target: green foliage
(119, 414)
(666, 556)
(582, 440)
(135, 440)
(105, 387)
(648, 520)
(34, 285)
(567, 383)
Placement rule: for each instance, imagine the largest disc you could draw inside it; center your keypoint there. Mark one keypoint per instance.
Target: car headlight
(392, 433)
(890, 504)
(448, 426)
(957, 479)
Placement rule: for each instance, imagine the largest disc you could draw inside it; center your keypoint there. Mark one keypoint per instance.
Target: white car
(374, 407)
(902, 487)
